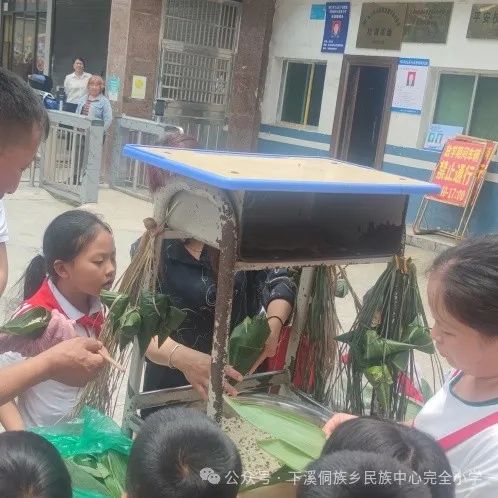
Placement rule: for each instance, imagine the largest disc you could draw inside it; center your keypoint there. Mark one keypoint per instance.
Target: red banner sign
(457, 171)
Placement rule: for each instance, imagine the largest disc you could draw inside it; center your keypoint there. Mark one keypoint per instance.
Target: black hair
(31, 467)
(359, 474)
(180, 452)
(469, 282)
(20, 107)
(79, 59)
(408, 446)
(63, 240)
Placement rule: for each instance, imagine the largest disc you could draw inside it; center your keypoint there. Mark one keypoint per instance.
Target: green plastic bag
(80, 493)
(92, 434)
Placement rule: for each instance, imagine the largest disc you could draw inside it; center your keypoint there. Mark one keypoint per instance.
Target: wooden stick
(113, 362)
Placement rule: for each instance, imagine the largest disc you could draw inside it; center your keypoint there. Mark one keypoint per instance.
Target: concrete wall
(296, 36)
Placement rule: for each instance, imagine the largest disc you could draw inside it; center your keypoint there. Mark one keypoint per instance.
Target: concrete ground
(30, 210)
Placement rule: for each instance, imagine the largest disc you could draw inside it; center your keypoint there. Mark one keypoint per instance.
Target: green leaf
(400, 360)
(171, 322)
(83, 480)
(285, 454)
(381, 380)
(153, 307)
(129, 326)
(117, 304)
(247, 341)
(281, 424)
(341, 289)
(420, 337)
(174, 318)
(32, 323)
(117, 464)
(347, 337)
(426, 390)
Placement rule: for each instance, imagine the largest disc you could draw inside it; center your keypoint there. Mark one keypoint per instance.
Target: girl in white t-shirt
(463, 415)
(79, 260)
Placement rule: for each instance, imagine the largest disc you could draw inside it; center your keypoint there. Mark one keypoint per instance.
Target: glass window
(454, 99)
(458, 105)
(484, 122)
(303, 91)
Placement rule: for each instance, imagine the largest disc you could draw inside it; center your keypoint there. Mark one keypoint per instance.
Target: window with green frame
(303, 84)
(469, 101)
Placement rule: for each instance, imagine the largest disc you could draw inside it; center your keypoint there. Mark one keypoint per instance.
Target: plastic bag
(79, 493)
(92, 434)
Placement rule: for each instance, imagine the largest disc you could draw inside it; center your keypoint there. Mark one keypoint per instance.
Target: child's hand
(59, 329)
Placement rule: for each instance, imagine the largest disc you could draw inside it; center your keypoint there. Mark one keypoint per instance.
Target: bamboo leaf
(83, 480)
(117, 303)
(341, 289)
(246, 343)
(426, 390)
(32, 323)
(117, 464)
(286, 454)
(153, 307)
(129, 326)
(400, 360)
(174, 318)
(281, 424)
(381, 380)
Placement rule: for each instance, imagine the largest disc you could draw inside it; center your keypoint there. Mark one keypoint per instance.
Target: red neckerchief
(45, 298)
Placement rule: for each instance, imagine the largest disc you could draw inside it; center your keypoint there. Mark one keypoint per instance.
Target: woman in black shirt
(188, 278)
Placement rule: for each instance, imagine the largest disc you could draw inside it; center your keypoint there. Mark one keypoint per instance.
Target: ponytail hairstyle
(65, 237)
(31, 467)
(468, 274)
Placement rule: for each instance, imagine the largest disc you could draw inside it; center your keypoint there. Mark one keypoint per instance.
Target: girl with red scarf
(79, 260)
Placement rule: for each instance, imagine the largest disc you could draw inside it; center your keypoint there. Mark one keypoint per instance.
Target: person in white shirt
(463, 416)
(23, 124)
(75, 84)
(79, 261)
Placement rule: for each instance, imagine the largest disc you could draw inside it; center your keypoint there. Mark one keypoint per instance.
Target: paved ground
(30, 210)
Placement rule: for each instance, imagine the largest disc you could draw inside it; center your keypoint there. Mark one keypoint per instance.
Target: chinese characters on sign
(427, 22)
(457, 170)
(336, 27)
(411, 78)
(381, 25)
(483, 22)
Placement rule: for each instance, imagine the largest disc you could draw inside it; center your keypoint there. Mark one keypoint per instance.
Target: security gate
(199, 45)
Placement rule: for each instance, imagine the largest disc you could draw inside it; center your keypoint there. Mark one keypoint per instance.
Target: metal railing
(129, 175)
(71, 157)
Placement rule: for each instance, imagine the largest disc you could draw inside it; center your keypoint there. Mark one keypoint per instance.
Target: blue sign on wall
(317, 12)
(336, 27)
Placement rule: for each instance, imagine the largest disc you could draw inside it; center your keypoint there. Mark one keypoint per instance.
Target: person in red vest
(78, 261)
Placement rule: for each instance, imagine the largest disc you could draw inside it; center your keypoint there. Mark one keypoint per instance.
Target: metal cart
(266, 212)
